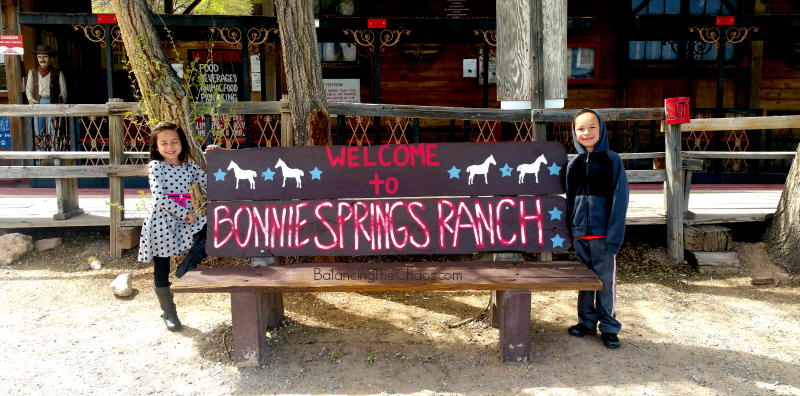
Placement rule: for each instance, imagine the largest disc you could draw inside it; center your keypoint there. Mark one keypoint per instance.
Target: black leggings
(161, 264)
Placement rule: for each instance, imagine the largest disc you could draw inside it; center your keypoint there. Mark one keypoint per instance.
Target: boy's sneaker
(610, 340)
(580, 330)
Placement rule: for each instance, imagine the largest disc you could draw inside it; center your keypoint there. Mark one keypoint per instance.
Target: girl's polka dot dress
(165, 233)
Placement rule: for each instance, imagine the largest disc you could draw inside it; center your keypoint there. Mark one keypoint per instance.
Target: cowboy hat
(45, 49)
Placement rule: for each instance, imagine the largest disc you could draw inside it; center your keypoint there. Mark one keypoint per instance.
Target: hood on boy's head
(602, 140)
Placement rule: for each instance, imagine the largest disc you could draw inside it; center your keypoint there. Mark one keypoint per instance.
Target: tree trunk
(303, 72)
(164, 94)
(304, 77)
(783, 235)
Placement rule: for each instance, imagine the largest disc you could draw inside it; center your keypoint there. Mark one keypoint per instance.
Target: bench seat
(257, 302)
(364, 277)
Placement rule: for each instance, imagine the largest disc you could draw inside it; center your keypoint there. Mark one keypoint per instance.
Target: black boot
(170, 314)
(196, 254)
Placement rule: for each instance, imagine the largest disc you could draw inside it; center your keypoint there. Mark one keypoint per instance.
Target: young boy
(597, 202)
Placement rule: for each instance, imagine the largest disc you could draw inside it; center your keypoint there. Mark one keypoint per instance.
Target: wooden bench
(257, 302)
(432, 198)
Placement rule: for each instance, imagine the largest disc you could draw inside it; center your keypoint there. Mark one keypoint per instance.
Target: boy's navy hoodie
(597, 191)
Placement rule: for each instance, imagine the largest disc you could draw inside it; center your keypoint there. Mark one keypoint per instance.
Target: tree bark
(164, 94)
(303, 72)
(783, 235)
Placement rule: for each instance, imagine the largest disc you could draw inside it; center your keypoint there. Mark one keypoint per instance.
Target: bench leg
(272, 309)
(515, 324)
(493, 309)
(249, 329)
(66, 195)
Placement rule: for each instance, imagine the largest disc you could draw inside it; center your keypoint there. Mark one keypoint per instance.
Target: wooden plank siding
(780, 84)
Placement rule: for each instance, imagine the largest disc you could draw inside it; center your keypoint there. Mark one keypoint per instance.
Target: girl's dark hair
(164, 126)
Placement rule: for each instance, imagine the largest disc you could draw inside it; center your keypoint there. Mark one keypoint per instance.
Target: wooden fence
(676, 176)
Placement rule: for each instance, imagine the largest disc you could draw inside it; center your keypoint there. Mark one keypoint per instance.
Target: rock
(83, 267)
(122, 286)
(13, 246)
(718, 262)
(47, 244)
(763, 280)
(128, 237)
(707, 238)
(86, 254)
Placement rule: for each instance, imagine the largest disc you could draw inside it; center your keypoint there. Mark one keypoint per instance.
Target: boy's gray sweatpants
(594, 306)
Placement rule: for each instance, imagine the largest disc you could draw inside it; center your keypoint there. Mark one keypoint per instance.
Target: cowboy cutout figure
(45, 84)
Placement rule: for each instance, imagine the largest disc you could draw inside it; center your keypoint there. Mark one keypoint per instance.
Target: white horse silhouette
(289, 172)
(482, 169)
(531, 168)
(243, 174)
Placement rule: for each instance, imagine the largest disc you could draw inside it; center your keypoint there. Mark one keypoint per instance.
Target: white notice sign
(343, 90)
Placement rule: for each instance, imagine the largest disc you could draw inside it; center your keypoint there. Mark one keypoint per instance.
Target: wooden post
(511, 312)
(537, 67)
(116, 185)
(249, 329)
(756, 60)
(66, 194)
(287, 132)
(673, 193)
(14, 74)
(554, 48)
(109, 62)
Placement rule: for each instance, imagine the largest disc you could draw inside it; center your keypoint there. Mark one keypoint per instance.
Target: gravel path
(63, 332)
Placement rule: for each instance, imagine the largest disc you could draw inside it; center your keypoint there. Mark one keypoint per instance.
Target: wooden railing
(676, 176)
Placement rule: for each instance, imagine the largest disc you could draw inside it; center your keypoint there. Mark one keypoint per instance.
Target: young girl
(172, 224)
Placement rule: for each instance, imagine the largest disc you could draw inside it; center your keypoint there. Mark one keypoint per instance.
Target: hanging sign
(456, 8)
(221, 75)
(343, 90)
(11, 45)
(5, 132)
(376, 23)
(726, 20)
(677, 110)
(110, 19)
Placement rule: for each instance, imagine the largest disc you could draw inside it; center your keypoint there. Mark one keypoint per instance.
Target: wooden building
(430, 52)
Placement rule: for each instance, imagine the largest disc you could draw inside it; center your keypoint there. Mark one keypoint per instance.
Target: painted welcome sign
(389, 199)
(387, 171)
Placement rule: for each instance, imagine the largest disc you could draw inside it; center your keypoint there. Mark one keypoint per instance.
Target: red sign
(107, 18)
(11, 45)
(376, 23)
(725, 20)
(677, 110)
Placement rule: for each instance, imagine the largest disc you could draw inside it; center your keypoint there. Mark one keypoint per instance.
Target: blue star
(555, 214)
(454, 172)
(558, 241)
(554, 169)
(268, 174)
(220, 175)
(506, 170)
(315, 173)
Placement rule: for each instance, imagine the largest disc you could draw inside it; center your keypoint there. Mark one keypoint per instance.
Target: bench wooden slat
(453, 264)
(302, 279)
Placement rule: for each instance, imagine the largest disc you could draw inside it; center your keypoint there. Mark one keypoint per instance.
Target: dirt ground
(63, 332)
